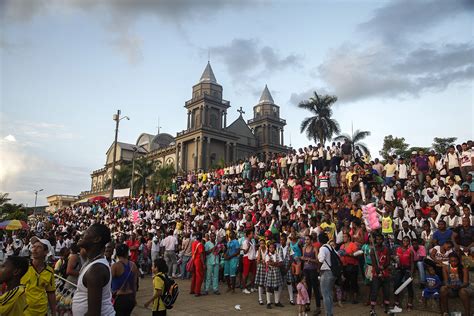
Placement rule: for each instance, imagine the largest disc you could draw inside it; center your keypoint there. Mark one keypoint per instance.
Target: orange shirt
(350, 249)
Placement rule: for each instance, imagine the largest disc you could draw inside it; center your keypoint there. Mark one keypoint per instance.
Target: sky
(403, 68)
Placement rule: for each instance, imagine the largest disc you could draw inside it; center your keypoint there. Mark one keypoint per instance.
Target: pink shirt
(419, 254)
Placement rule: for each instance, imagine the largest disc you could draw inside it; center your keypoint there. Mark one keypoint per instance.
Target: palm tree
(143, 171)
(355, 141)
(319, 127)
(4, 198)
(162, 178)
(123, 176)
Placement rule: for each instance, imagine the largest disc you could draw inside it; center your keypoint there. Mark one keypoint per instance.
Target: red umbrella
(99, 199)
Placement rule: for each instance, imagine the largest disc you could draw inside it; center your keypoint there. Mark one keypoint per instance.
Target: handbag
(190, 264)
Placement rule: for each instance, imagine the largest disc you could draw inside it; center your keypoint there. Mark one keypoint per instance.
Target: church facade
(207, 141)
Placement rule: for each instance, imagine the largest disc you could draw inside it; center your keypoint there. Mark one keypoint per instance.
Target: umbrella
(99, 198)
(13, 224)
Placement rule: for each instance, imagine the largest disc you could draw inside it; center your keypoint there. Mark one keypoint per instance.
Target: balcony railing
(266, 116)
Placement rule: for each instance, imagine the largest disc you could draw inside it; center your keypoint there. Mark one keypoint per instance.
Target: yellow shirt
(329, 229)
(357, 213)
(37, 287)
(158, 284)
(349, 177)
(13, 302)
(387, 227)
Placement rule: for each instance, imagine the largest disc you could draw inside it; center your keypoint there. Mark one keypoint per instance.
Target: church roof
(240, 127)
(266, 96)
(208, 74)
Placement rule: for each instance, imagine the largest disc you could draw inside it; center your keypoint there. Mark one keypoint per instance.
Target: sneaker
(292, 302)
(269, 306)
(395, 310)
(245, 291)
(372, 313)
(279, 304)
(260, 302)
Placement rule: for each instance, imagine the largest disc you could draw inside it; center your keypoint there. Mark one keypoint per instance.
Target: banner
(121, 193)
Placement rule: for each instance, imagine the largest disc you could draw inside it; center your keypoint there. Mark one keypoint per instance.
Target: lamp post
(117, 120)
(133, 170)
(36, 198)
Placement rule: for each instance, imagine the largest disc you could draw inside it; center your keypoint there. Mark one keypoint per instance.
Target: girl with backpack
(159, 269)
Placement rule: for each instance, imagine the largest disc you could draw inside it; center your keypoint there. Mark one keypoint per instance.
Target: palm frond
(360, 135)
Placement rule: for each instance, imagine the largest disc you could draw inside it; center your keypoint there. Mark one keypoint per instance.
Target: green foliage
(122, 176)
(441, 145)
(162, 178)
(393, 146)
(355, 140)
(11, 210)
(144, 169)
(320, 127)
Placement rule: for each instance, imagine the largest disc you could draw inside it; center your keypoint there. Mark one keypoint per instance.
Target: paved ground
(224, 304)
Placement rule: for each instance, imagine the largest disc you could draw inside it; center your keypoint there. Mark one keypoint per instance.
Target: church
(207, 141)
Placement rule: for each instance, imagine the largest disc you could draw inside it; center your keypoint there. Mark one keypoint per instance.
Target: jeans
(378, 282)
(171, 262)
(212, 276)
(311, 277)
(327, 285)
(421, 269)
(185, 274)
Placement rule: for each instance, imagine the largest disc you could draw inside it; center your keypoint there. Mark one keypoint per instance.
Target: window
(214, 120)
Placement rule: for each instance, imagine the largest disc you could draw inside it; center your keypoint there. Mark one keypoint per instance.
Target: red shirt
(133, 253)
(351, 248)
(197, 252)
(404, 256)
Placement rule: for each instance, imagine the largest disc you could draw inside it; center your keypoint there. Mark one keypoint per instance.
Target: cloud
(355, 73)
(398, 20)
(10, 138)
(248, 58)
(395, 57)
(120, 16)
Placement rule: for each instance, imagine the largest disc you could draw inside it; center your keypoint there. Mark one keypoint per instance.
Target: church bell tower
(267, 125)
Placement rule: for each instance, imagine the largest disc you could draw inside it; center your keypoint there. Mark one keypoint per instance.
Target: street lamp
(133, 170)
(36, 198)
(117, 119)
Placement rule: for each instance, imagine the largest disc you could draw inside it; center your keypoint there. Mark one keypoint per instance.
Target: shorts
(455, 292)
(428, 293)
(230, 267)
(249, 266)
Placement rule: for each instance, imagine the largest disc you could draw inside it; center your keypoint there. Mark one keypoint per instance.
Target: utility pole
(36, 198)
(133, 171)
(117, 120)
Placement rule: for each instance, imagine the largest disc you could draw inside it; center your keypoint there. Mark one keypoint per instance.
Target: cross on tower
(241, 111)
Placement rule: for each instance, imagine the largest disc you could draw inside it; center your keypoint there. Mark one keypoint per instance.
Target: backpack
(171, 291)
(335, 266)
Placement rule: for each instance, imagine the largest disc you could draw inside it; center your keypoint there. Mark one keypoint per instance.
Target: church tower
(207, 108)
(205, 142)
(267, 124)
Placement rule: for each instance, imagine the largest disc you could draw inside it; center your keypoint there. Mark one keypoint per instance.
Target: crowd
(294, 223)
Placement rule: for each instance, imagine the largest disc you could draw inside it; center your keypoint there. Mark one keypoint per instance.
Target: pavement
(225, 303)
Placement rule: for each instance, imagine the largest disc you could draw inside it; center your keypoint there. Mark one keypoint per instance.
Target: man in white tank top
(94, 295)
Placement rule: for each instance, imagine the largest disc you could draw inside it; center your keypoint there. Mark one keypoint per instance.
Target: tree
(11, 210)
(144, 169)
(355, 141)
(393, 146)
(123, 177)
(441, 145)
(319, 127)
(162, 178)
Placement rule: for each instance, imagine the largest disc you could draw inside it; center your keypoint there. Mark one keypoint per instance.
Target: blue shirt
(233, 247)
(442, 237)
